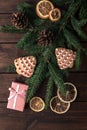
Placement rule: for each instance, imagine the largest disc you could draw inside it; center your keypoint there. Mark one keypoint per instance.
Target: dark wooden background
(74, 119)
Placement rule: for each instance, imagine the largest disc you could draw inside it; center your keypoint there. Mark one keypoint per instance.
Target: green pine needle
(83, 13)
(24, 7)
(82, 22)
(49, 92)
(74, 6)
(36, 50)
(72, 39)
(11, 68)
(35, 81)
(57, 77)
(78, 59)
(77, 28)
(27, 41)
(12, 29)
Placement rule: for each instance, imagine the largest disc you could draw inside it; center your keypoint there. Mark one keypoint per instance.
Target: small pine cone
(19, 20)
(45, 38)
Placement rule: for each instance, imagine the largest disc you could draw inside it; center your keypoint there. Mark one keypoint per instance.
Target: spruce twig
(78, 59)
(35, 81)
(83, 12)
(72, 39)
(11, 68)
(57, 77)
(82, 22)
(12, 29)
(70, 12)
(49, 92)
(27, 41)
(77, 28)
(24, 7)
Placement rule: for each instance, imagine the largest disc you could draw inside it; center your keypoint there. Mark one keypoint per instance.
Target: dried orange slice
(43, 8)
(71, 93)
(55, 15)
(58, 106)
(37, 104)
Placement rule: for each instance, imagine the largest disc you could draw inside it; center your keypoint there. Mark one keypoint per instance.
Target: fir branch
(82, 22)
(11, 68)
(36, 50)
(49, 92)
(27, 41)
(72, 39)
(74, 6)
(52, 56)
(57, 77)
(24, 7)
(12, 29)
(78, 59)
(29, 9)
(77, 28)
(35, 81)
(24, 41)
(83, 13)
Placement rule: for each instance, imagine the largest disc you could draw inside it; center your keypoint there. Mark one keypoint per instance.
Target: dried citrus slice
(37, 104)
(55, 15)
(71, 93)
(58, 106)
(43, 8)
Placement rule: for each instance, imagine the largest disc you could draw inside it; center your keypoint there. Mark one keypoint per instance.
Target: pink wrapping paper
(16, 100)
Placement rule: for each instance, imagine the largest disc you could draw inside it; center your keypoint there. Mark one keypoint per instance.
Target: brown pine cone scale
(19, 20)
(45, 38)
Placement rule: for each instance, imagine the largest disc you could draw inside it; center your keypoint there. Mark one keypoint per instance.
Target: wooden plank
(10, 37)
(79, 79)
(5, 19)
(8, 52)
(5, 37)
(45, 120)
(8, 6)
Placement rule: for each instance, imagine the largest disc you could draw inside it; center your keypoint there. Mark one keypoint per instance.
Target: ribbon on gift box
(15, 93)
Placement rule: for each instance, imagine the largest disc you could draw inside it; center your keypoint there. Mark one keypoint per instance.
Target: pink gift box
(16, 100)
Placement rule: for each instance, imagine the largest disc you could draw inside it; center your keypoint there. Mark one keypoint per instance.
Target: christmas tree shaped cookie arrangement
(53, 31)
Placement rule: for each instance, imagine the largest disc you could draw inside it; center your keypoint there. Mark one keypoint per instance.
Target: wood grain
(29, 120)
(10, 38)
(81, 84)
(74, 119)
(9, 51)
(8, 6)
(5, 19)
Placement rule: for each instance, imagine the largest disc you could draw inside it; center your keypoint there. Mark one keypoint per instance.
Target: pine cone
(45, 38)
(19, 20)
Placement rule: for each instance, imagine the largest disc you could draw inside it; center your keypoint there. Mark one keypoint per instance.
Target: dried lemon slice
(71, 93)
(55, 15)
(37, 104)
(58, 106)
(43, 8)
